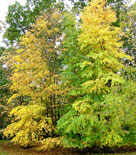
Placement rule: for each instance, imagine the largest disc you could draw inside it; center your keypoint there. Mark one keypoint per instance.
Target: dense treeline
(70, 74)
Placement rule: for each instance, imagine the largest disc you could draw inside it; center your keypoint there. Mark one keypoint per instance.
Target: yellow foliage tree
(101, 43)
(35, 78)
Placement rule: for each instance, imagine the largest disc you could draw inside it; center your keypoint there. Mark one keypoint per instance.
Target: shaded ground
(11, 149)
(6, 148)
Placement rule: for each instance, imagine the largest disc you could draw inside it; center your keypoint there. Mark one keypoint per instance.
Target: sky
(133, 1)
(4, 9)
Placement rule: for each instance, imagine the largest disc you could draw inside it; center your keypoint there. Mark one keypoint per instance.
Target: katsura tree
(99, 107)
(35, 78)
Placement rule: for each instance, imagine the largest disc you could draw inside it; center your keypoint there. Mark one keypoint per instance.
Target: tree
(128, 19)
(4, 92)
(20, 18)
(35, 78)
(70, 55)
(98, 106)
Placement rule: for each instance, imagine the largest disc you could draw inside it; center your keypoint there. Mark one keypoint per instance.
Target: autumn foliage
(35, 79)
(69, 80)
